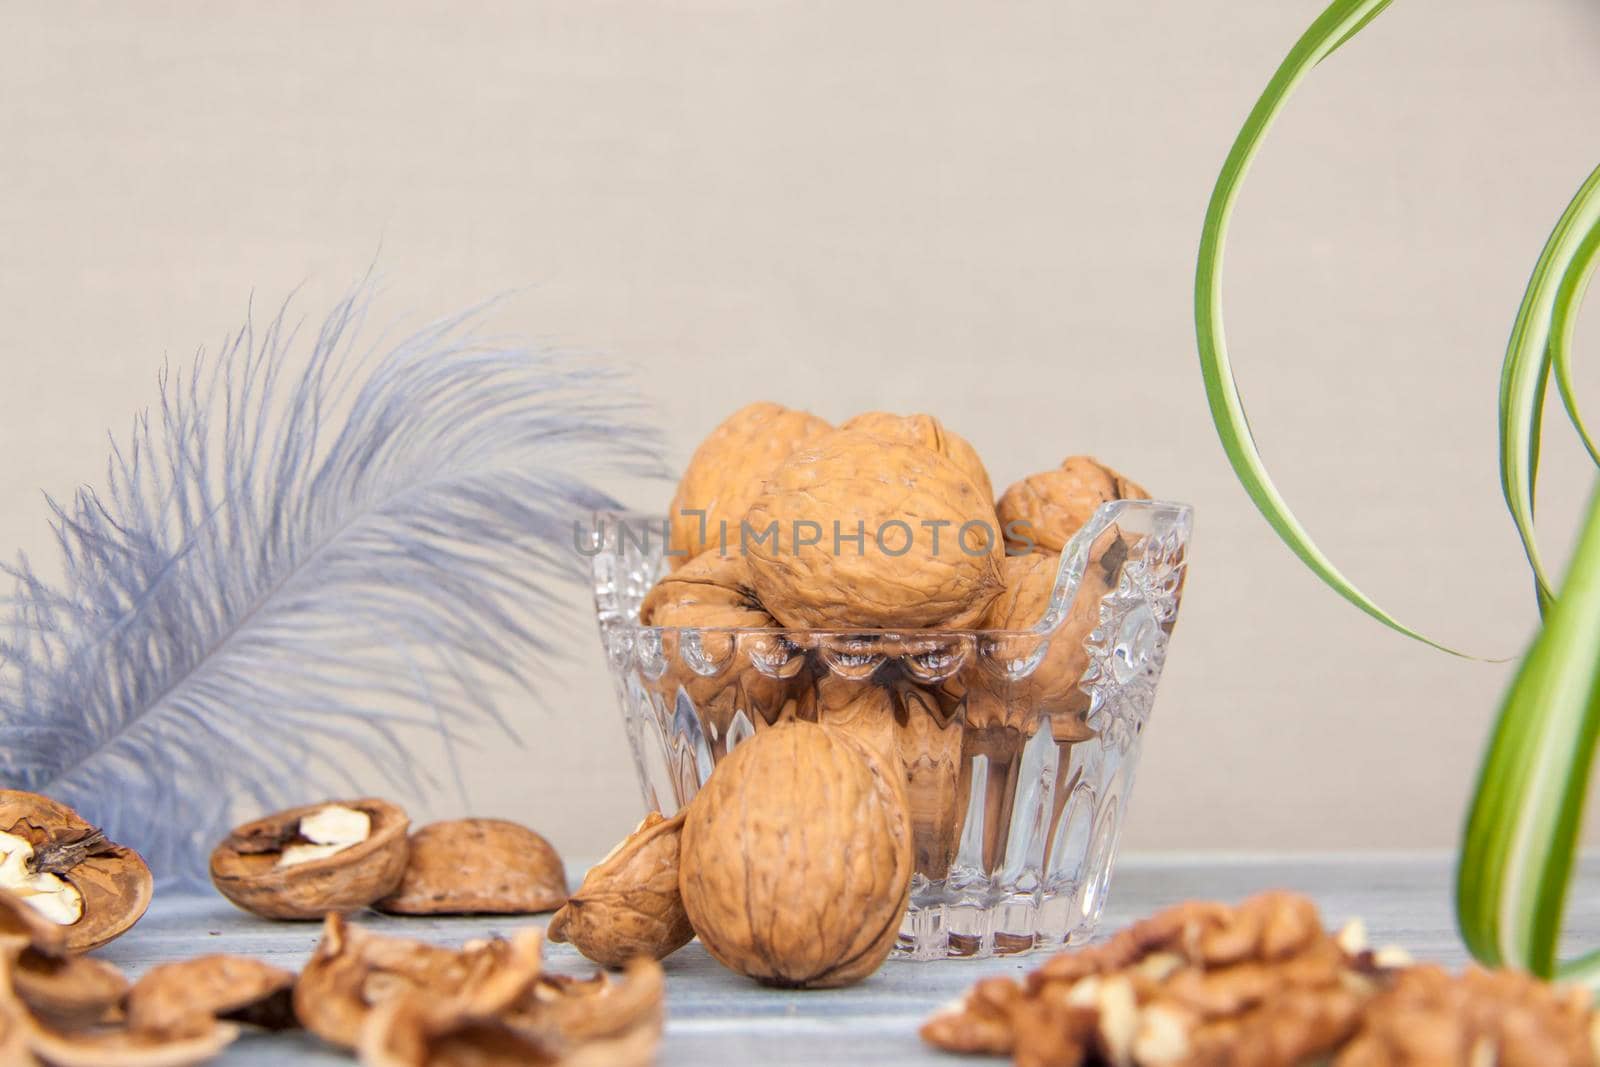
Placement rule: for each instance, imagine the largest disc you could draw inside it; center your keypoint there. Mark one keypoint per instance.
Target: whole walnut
(628, 906)
(796, 858)
(1051, 687)
(720, 673)
(1046, 509)
(726, 473)
(929, 547)
(930, 433)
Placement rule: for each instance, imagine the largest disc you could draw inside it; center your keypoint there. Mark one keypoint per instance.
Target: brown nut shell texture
(256, 865)
(930, 551)
(629, 905)
(185, 997)
(930, 433)
(59, 988)
(796, 858)
(30, 1039)
(1047, 508)
(478, 866)
(54, 859)
(720, 673)
(727, 471)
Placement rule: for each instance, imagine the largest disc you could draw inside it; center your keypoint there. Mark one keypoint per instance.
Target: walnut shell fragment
(478, 866)
(1044, 510)
(60, 988)
(929, 548)
(628, 906)
(1258, 985)
(186, 996)
(27, 1040)
(67, 869)
(930, 433)
(796, 858)
(1429, 1018)
(726, 473)
(274, 868)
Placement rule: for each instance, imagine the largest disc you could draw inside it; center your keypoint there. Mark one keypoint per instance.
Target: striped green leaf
(1341, 21)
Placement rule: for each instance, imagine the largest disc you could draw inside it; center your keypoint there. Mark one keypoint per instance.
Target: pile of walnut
(1264, 985)
(792, 864)
(886, 522)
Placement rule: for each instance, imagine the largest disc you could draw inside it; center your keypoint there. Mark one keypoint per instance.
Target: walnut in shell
(186, 996)
(66, 870)
(930, 544)
(629, 906)
(721, 673)
(482, 866)
(306, 862)
(930, 433)
(1044, 510)
(795, 864)
(727, 471)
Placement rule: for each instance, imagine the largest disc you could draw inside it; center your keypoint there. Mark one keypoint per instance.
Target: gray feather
(318, 554)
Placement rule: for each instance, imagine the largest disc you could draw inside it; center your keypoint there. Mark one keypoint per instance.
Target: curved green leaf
(1544, 325)
(1522, 829)
(1341, 21)
(1569, 297)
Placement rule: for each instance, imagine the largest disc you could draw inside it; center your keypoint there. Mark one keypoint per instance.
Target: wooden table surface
(715, 1017)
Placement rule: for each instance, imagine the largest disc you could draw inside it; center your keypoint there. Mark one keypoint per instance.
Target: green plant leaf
(1543, 329)
(1522, 829)
(1341, 21)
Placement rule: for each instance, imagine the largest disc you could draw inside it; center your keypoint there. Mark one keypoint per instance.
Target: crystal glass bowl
(1018, 747)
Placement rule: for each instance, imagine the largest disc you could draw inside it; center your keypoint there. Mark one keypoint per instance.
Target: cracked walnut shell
(60, 988)
(273, 868)
(727, 471)
(1047, 508)
(629, 905)
(185, 997)
(930, 433)
(930, 546)
(796, 858)
(478, 866)
(66, 869)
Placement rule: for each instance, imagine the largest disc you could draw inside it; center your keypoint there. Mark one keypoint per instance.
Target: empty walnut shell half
(478, 866)
(796, 858)
(257, 867)
(184, 997)
(60, 988)
(65, 868)
(629, 906)
(1044, 510)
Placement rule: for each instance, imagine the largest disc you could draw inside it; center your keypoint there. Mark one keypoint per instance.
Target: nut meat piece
(930, 551)
(930, 433)
(68, 871)
(250, 868)
(629, 906)
(1429, 1018)
(1199, 985)
(483, 866)
(1049, 507)
(796, 858)
(185, 997)
(727, 471)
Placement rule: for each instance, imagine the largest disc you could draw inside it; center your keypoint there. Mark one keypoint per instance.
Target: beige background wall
(984, 210)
